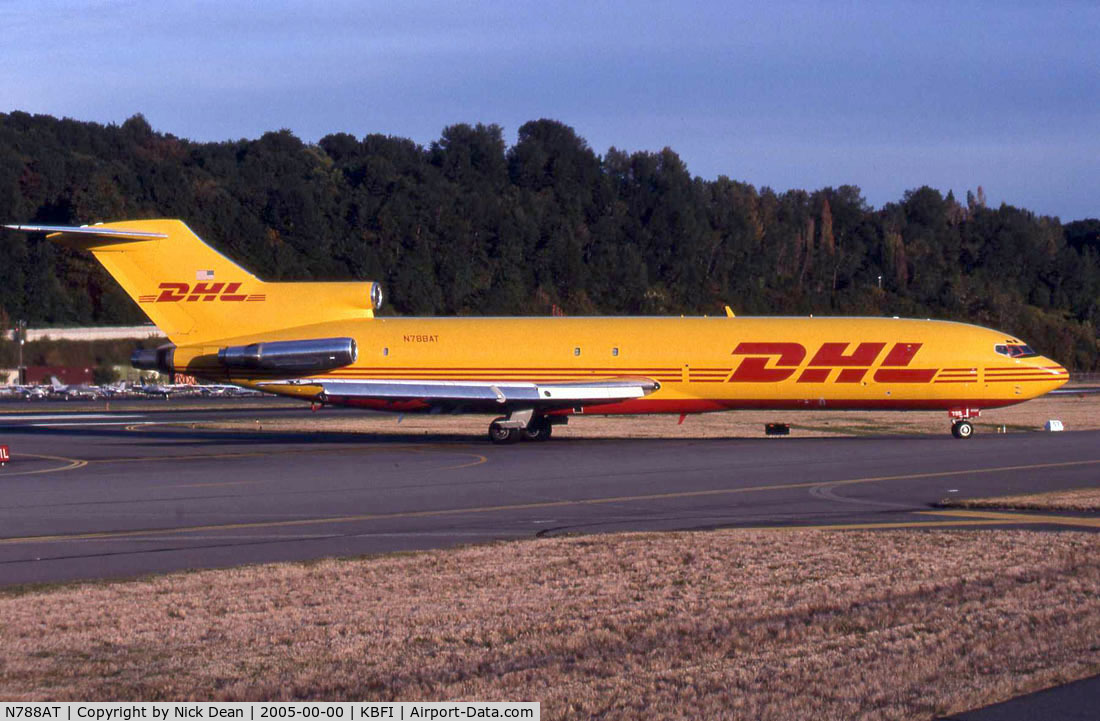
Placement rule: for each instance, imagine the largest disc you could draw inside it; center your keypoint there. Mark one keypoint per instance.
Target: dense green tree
(469, 225)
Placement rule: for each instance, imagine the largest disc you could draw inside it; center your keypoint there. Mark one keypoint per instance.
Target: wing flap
(479, 393)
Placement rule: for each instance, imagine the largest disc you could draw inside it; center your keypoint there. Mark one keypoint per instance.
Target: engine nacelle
(154, 359)
(291, 356)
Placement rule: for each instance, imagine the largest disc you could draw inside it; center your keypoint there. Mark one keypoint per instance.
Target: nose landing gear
(962, 429)
(960, 421)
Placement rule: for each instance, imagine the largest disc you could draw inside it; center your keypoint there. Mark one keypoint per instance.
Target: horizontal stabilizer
(198, 296)
(90, 230)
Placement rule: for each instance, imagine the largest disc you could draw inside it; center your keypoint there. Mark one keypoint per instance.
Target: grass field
(733, 624)
(1076, 499)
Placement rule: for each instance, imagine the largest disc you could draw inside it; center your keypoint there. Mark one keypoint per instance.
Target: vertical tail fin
(195, 294)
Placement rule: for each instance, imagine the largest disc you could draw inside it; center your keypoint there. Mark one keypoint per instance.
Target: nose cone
(1054, 375)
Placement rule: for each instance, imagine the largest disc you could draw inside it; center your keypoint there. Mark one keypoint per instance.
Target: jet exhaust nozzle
(154, 359)
(291, 356)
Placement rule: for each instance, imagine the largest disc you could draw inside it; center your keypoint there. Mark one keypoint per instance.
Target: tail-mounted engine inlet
(154, 359)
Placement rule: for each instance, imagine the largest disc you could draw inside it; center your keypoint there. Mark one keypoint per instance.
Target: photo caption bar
(253, 711)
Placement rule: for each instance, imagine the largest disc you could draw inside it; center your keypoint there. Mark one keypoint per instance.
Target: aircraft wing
(466, 394)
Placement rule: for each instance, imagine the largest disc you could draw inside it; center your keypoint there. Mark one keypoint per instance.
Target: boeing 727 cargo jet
(321, 342)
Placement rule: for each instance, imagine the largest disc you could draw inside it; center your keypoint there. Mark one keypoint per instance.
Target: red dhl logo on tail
(757, 367)
(176, 292)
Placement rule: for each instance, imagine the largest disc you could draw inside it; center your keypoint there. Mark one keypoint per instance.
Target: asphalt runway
(98, 494)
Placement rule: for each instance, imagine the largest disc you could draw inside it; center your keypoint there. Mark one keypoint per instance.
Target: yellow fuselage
(702, 364)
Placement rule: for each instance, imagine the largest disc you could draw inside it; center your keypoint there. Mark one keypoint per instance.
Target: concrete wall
(106, 333)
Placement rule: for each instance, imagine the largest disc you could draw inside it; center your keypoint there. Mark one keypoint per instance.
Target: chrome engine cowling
(291, 356)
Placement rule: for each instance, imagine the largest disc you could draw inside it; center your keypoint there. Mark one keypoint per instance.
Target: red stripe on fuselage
(701, 405)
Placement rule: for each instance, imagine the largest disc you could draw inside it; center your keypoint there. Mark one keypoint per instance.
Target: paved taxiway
(102, 494)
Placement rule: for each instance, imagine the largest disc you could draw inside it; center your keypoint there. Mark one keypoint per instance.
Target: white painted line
(67, 416)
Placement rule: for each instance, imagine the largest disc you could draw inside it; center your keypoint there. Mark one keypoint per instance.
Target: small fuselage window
(1015, 350)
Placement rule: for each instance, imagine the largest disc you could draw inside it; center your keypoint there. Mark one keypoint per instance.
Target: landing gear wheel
(539, 429)
(962, 429)
(501, 435)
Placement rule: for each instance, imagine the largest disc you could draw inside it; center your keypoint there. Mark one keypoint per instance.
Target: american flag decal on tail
(204, 275)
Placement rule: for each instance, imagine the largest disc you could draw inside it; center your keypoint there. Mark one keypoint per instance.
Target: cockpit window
(1015, 350)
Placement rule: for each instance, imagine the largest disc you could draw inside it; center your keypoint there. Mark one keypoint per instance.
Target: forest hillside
(470, 225)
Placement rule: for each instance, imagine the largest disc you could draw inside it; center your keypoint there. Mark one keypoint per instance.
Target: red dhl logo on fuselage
(175, 292)
(758, 368)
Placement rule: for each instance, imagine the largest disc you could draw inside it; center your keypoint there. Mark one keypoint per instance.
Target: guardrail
(1091, 378)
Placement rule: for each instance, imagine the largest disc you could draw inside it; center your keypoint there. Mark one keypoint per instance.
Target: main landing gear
(522, 426)
(960, 421)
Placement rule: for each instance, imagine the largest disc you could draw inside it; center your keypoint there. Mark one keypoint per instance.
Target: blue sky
(885, 95)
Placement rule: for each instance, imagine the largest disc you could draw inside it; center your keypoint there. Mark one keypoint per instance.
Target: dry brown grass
(732, 624)
(1077, 499)
(1076, 412)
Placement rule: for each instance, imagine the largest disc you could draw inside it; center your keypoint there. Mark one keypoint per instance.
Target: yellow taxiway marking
(478, 459)
(1008, 517)
(645, 497)
(944, 474)
(237, 454)
(70, 464)
(963, 517)
(74, 463)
